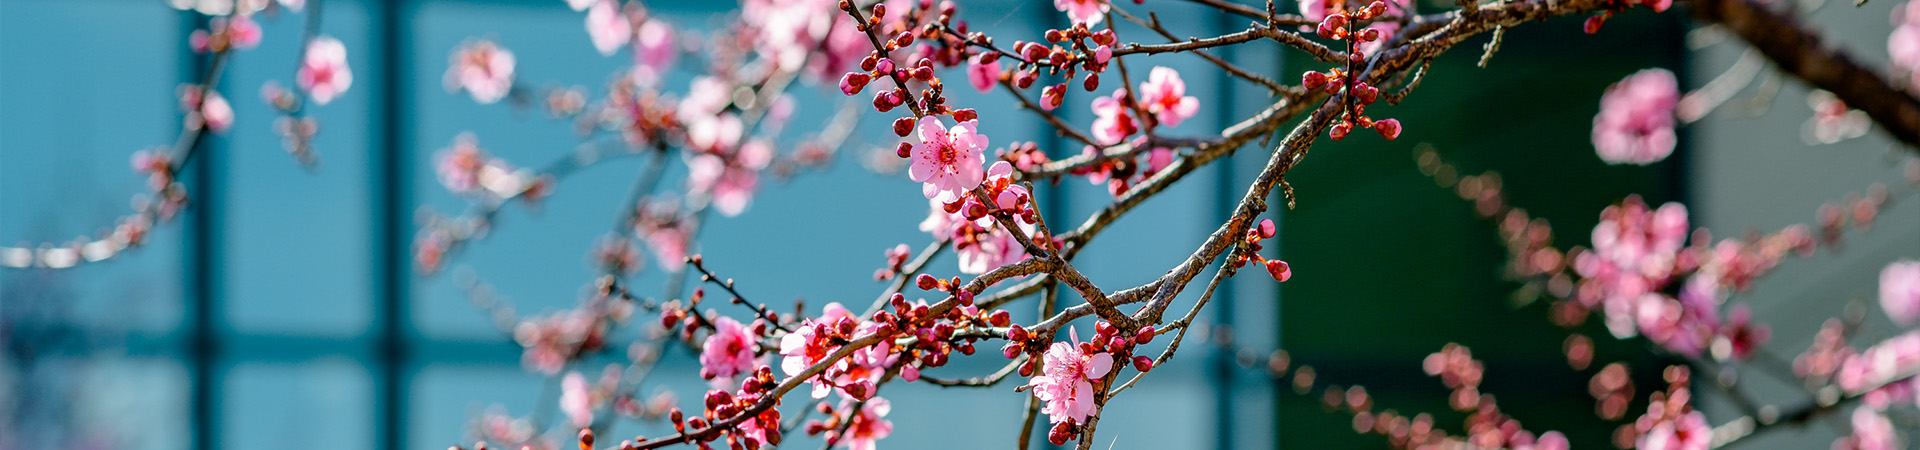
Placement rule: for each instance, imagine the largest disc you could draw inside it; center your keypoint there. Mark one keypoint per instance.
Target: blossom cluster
(1340, 23)
(1067, 375)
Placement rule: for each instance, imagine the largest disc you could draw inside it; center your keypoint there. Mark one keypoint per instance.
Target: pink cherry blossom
(1164, 95)
(579, 399)
(1315, 10)
(242, 32)
(948, 159)
(729, 182)
(458, 167)
(1900, 291)
(669, 245)
(1687, 432)
(575, 401)
(1089, 12)
(209, 109)
(728, 352)
(1871, 431)
(983, 76)
(1112, 120)
(1066, 381)
(609, 28)
(1880, 364)
(1903, 45)
(1635, 124)
(654, 52)
(483, 69)
(324, 74)
(869, 425)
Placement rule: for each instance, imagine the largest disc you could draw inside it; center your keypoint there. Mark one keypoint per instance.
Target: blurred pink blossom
(1635, 125)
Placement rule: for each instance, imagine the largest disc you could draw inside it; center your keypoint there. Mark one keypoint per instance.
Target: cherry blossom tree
(1648, 275)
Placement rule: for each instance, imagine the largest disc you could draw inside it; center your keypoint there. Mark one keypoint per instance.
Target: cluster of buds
(762, 429)
(1860, 210)
(1359, 94)
(1066, 53)
(1670, 416)
(896, 262)
(237, 31)
(686, 320)
(937, 336)
(1263, 231)
(1025, 156)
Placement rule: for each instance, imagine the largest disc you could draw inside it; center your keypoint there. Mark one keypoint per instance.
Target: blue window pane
(297, 242)
(72, 125)
(318, 405)
(99, 402)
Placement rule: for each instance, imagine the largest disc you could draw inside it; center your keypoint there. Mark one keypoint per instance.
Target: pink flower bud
(853, 82)
(1389, 128)
(1266, 226)
(885, 65)
(1279, 270)
(903, 126)
(1017, 333)
(1340, 130)
(1142, 364)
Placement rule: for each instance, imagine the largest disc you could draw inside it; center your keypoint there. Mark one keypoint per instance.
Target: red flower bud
(853, 82)
(1389, 128)
(923, 73)
(999, 318)
(885, 65)
(1313, 80)
(1142, 364)
(1145, 335)
(1055, 36)
(1011, 350)
(926, 282)
(1279, 270)
(1266, 229)
(1017, 333)
(1340, 130)
(966, 115)
(905, 150)
(903, 126)
(1093, 82)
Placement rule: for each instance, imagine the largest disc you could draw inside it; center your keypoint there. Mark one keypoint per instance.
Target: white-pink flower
(483, 69)
(575, 400)
(1089, 12)
(608, 27)
(983, 76)
(1112, 121)
(1165, 96)
(729, 182)
(1903, 45)
(869, 424)
(948, 159)
(1066, 379)
(1871, 431)
(1635, 124)
(1900, 291)
(580, 5)
(324, 74)
(728, 352)
(1687, 432)
(654, 52)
